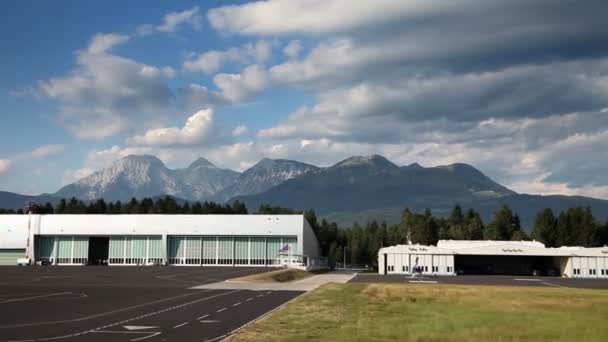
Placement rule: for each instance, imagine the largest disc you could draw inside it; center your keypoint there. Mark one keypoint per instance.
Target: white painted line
(34, 297)
(122, 322)
(423, 281)
(137, 327)
(249, 299)
(220, 310)
(554, 285)
(236, 304)
(145, 337)
(210, 321)
(260, 296)
(101, 314)
(180, 325)
(202, 317)
(527, 279)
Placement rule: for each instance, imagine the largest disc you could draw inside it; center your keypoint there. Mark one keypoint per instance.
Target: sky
(518, 89)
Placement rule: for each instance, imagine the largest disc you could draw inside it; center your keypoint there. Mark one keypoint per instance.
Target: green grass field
(408, 312)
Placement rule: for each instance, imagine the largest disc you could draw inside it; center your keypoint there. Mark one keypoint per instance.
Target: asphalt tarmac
(484, 280)
(126, 303)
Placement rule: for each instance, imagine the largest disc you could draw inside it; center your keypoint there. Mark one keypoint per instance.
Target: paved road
(485, 280)
(126, 303)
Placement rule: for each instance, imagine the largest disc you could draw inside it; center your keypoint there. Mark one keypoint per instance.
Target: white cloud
(312, 16)
(292, 49)
(211, 61)
(197, 130)
(5, 165)
(42, 152)
(102, 42)
(106, 93)
(171, 21)
(237, 87)
(239, 130)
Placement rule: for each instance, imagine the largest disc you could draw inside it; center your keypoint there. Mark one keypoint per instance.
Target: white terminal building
(453, 257)
(196, 240)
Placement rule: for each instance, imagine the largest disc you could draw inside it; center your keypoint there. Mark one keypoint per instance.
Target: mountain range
(358, 188)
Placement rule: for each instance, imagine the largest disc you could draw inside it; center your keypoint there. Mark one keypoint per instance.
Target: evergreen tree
(503, 225)
(474, 224)
(545, 229)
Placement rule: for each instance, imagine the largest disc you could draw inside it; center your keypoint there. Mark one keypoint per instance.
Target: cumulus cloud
(211, 61)
(269, 17)
(237, 87)
(42, 152)
(103, 42)
(5, 165)
(106, 93)
(197, 130)
(292, 49)
(173, 20)
(239, 130)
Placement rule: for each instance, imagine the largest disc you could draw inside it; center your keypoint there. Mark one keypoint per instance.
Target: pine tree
(545, 229)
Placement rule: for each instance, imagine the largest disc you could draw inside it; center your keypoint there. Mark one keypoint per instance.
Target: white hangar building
(452, 257)
(204, 240)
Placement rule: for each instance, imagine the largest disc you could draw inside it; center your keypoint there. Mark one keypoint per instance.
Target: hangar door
(10, 256)
(229, 250)
(63, 250)
(135, 250)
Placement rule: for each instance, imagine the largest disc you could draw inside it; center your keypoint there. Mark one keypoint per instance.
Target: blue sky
(519, 90)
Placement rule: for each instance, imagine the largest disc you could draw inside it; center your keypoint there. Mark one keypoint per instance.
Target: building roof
(13, 228)
(490, 247)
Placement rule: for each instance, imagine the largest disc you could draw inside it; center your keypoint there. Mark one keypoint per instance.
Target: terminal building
(196, 240)
(455, 257)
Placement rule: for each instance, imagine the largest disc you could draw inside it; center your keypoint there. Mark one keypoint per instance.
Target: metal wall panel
(8, 257)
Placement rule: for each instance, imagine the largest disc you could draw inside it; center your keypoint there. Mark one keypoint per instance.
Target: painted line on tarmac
(34, 297)
(205, 316)
(267, 313)
(124, 321)
(554, 285)
(527, 279)
(180, 325)
(100, 314)
(423, 281)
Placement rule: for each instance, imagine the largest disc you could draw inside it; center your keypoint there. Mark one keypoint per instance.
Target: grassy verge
(282, 275)
(408, 312)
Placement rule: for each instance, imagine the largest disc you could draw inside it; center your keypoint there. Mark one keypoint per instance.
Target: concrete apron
(307, 284)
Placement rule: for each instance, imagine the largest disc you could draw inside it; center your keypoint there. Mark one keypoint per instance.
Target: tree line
(163, 205)
(359, 244)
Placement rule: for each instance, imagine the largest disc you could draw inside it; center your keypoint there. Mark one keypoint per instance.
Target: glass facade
(231, 250)
(135, 250)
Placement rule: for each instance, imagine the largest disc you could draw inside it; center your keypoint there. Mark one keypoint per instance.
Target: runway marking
(148, 333)
(527, 279)
(220, 310)
(554, 285)
(261, 295)
(137, 327)
(249, 299)
(423, 281)
(203, 316)
(99, 329)
(180, 325)
(100, 314)
(236, 304)
(210, 321)
(145, 337)
(34, 297)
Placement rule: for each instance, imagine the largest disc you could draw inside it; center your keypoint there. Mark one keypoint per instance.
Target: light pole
(344, 261)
